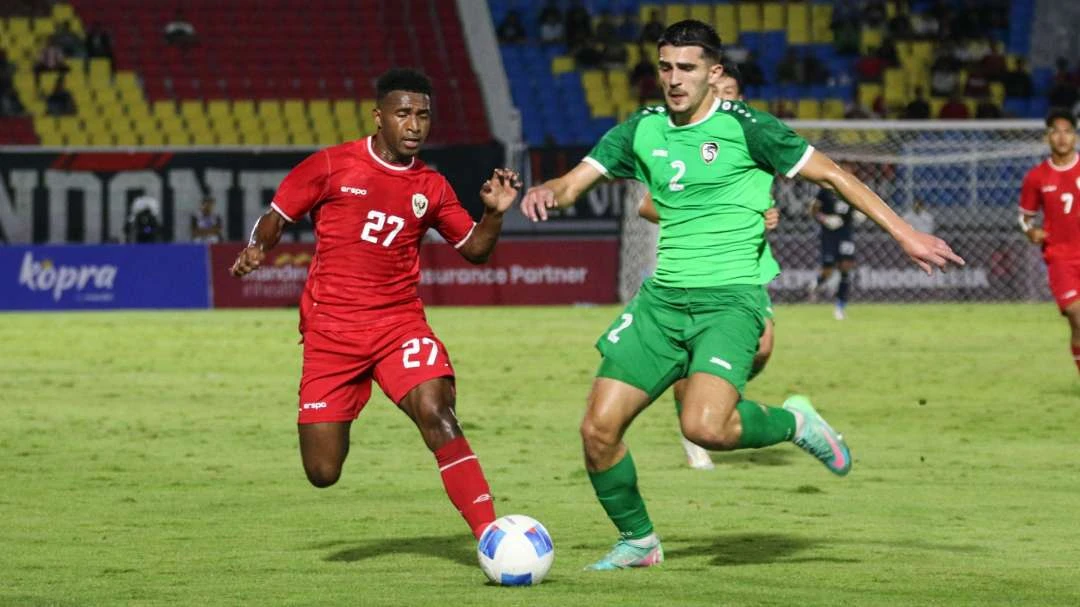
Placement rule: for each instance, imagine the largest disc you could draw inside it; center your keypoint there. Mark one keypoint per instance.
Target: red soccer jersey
(369, 218)
(1055, 191)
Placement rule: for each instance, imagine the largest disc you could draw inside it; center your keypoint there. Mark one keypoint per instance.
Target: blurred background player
(1053, 188)
(361, 318)
(836, 217)
(730, 86)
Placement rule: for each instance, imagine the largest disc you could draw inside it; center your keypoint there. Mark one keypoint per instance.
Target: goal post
(965, 174)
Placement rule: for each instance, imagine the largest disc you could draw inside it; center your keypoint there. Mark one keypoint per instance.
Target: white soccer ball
(515, 550)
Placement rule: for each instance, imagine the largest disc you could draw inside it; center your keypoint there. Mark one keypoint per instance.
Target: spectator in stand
(787, 71)
(874, 13)
(918, 108)
(1063, 92)
(606, 28)
(552, 30)
(855, 111)
(870, 67)
(511, 30)
(1018, 81)
(59, 102)
(978, 85)
(9, 98)
(630, 29)
(887, 52)
(814, 71)
(782, 109)
(67, 40)
(143, 224)
(966, 23)
(643, 78)
(954, 109)
(206, 225)
(612, 50)
(751, 70)
(51, 59)
(988, 110)
(653, 28)
(944, 73)
(578, 25)
(550, 12)
(846, 27)
(180, 32)
(974, 51)
(920, 217)
(994, 64)
(99, 43)
(899, 27)
(924, 26)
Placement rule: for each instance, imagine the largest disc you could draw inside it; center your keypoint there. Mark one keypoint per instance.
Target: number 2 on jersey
(613, 335)
(377, 220)
(680, 170)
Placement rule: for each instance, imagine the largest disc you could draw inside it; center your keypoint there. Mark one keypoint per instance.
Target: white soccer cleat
(697, 457)
(838, 313)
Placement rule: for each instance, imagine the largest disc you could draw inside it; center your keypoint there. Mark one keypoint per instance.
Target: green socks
(762, 425)
(617, 490)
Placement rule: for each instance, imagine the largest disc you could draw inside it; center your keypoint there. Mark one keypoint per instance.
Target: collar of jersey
(392, 167)
(1050, 161)
(712, 110)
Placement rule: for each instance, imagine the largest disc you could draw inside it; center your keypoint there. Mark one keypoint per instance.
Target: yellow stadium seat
(749, 17)
(52, 139)
(798, 23)
(997, 92)
(322, 121)
(603, 109)
(896, 88)
(203, 137)
(645, 12)
(152, 138)
(773, 17)
(164, 107)
(99, 73)
(43, 28)
(126, 138)
(759, 104)
(302, 138)
(808, 109)
(227, 137)
(269, 107)
(868, 93)
(243, 107)
(83, 139)
(972, 105)
(674, 13)
(191, 108)
(562, 65)
(293, 107)
(633, 54)
(63, 12)
(701, 12)
(935, 106)
(870, 39)
(821, 23)
(726, 22)
(345, 107)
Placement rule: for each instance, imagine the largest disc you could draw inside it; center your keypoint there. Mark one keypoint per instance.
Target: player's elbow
(474, 257)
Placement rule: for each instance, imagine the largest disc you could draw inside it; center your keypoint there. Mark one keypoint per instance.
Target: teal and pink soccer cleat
(815, 436)
(625, 555)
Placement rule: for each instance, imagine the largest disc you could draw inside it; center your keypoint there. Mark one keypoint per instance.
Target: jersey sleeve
(453, 222)
(613, 155)
(774, 146)
(303, 187)
(1030, 201)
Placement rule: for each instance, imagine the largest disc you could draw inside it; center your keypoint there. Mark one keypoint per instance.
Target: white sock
(799, 419)
(646, 542)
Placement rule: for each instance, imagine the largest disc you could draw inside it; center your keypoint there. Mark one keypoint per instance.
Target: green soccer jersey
(711, 182)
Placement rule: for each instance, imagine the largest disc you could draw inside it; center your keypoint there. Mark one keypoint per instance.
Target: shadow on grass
(749, 549)
(756, 457)
(457, 548)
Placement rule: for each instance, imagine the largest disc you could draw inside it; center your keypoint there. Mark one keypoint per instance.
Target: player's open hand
(772, 218)
(537, 201)
(929, 251)
(248, 259)
(499, 192)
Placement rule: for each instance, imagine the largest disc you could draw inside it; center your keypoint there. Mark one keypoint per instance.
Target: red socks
(1076, 356)
(465, 484)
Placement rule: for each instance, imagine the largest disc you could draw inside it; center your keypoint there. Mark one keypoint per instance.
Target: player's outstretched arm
(264, 236)
(497, 194)
(925, 250)
(560, 192)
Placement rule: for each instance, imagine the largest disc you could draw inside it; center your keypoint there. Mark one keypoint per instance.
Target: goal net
(964, 176)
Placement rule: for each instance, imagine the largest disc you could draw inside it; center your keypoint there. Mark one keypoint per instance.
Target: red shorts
(1064, 281)
(339, 367)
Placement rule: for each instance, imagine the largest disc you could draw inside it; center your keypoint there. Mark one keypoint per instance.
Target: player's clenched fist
(249, 259)
(499, 192)
(537, 201)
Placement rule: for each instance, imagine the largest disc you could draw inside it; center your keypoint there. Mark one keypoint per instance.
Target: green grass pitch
(151, 459)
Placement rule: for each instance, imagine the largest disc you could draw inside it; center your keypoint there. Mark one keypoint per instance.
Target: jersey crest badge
(709, 150)
(419, 205)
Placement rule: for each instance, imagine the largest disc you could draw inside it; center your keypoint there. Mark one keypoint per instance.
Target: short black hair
(731, 70)
(402, 79)
(692, 32)
(1059, 113)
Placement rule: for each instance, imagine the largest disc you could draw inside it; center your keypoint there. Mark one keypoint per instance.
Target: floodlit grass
(151, 459)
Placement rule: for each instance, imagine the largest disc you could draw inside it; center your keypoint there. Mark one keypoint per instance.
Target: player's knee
(597, 436)
(322, 474)
(711, 436)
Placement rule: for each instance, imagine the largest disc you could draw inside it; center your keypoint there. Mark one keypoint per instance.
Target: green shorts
(665, 333)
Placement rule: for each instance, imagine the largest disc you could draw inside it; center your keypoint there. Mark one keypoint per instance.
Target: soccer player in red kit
(371, 201)
(1053, 187)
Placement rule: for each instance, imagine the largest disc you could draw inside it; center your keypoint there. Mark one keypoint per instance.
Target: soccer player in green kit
(708, 164)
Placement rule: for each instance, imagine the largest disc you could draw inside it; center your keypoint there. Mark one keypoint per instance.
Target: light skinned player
(1053, 188)
(728, 88)
(361, 318)
(708, 165)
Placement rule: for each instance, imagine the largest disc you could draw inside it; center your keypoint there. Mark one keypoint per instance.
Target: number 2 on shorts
(613, 335)
(413, 347)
